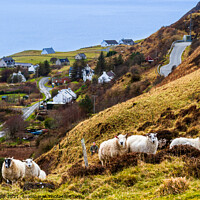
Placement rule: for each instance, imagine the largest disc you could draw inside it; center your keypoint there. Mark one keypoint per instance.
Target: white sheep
(42, 175)
(186, 141)
(32, 169)
(143, 144)
(112, 148)
(13, 170)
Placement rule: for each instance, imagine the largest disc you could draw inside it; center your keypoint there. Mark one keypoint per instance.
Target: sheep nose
(121, 143)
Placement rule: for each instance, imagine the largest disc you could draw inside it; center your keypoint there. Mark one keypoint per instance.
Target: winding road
(175, 57)
(28, 111)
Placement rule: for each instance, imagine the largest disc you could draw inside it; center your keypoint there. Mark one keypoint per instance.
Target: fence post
(84, 152)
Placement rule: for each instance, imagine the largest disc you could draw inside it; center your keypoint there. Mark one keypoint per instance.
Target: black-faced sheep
(143, 144)
(13, 170)
(112, 148)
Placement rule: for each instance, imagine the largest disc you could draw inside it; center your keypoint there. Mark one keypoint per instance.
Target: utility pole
(94, 96)
(190, 26)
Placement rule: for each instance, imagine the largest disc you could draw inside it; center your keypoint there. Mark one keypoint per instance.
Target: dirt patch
(20, 153)
(32, 185)
(144, 126)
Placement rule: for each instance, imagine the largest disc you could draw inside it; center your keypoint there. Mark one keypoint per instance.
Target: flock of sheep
(123, 144)
(14, 170)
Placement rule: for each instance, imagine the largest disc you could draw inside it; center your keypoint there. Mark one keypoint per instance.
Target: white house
(47, 51)
(32, 69)
(106, 43)
(80, 56)
(19, 74)
(64, 96)
(126, 41)
(24, 65)
(88, 73)
(106, 77)
(7, 62)
(187, 38)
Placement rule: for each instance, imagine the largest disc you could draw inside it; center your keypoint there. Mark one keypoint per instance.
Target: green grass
(35, 57)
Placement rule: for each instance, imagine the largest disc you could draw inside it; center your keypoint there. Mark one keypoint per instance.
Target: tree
(101, 64)
(5, 74)
(76, 71)
(86, 104)
(44, 69)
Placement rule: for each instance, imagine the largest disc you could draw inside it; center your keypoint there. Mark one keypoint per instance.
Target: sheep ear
(155, 134)
(126, 135)
(147, 134)
(116, 137)
(12, 158)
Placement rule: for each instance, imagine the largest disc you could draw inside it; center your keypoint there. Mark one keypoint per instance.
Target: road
(175, 57)
(28, 111)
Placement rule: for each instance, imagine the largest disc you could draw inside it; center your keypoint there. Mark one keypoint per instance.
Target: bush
(49, 123)
(173, 186)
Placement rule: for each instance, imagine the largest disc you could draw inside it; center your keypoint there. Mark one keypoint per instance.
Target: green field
(35, 57)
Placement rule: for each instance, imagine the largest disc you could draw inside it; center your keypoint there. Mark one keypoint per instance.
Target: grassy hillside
(35, 57)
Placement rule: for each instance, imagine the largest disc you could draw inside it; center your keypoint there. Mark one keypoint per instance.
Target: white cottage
(32, 69)
(19, 74)
(47, 51)
(106, 77)
(88, 73)
(64, 96)
(7, 62)
(106, 43)
(126, 41)
(80, 56)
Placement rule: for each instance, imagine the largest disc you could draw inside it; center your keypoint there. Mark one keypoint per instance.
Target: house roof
(82, 54)
(49, 50)
(110, 73)
(111, 41)
(7, 59)
(64, 60)
(127, 41)
(23, 64)
(149, 58)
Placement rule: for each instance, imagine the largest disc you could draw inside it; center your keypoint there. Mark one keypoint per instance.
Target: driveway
(175, 57)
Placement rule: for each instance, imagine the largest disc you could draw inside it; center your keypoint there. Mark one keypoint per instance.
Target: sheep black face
(122, 140)
(29, 162)
(8, 162)
(152, 137)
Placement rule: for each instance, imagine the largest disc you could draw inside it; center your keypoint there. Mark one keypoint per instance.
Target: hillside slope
(137, 115)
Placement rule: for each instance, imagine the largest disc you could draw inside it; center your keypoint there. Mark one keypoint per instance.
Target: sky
(68, 25)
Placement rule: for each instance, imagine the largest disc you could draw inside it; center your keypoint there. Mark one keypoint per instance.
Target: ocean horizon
(70, 25)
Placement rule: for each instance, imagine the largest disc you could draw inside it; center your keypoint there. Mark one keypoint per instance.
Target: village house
(64, 96)
(106, 77)
(126, 41)
(23, 65)
(80, 56)
(32, 69)
(60, 81)
(106, 43)
(149, 59)
(47, 51)
(20, 77)
(7, 62)
(88, 73)
(63, 61)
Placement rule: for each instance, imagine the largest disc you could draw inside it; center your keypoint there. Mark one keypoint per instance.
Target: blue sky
(71, 24)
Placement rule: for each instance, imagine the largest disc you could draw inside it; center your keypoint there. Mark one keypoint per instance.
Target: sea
(68, 25)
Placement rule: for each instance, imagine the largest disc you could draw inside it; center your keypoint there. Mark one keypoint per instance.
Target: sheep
(42, 175)
(112, 148)
(32, 169)
(186, 141)
(13, 170)
(143, 144)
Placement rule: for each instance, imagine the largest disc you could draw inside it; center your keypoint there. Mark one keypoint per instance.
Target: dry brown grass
(173, 186)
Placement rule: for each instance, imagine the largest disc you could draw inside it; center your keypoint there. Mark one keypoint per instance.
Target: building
(88, 73)
(32, 69)
(7, 62)
(187, 38)
(106, 77)
(23, 65)
(80, 56)
(60, 81)
(149, 59)
(64, 96)
(63, 61)
(48, 51)
(20, 76)
(126, 41)
(106, 43)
